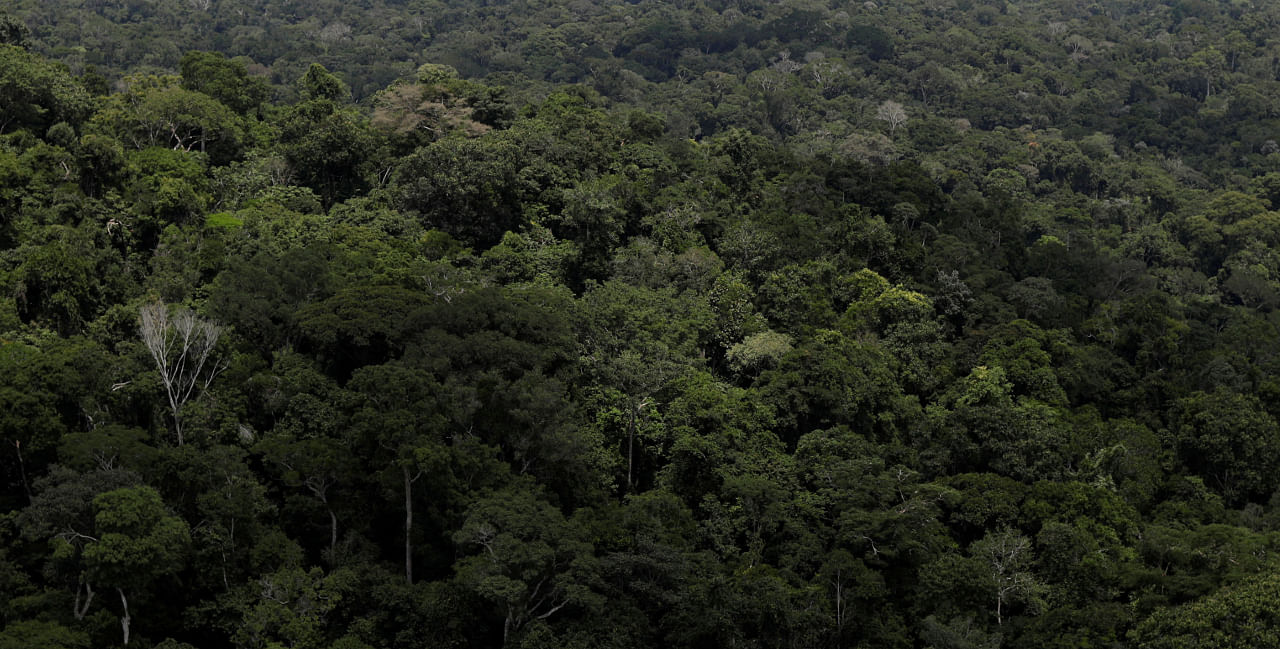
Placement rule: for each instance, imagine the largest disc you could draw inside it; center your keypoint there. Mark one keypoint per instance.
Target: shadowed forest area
(923, 324)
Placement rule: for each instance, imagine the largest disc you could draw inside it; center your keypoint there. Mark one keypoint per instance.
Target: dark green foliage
(1237, 616)
(226, 80)
(36, 94)
(881, 325)
(20, 635)
(328, 148)
(466, 188)
(14, 32)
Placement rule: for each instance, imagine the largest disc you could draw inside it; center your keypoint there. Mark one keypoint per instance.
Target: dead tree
(183, 346)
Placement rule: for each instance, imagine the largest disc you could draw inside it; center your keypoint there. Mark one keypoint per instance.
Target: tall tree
(184, 347)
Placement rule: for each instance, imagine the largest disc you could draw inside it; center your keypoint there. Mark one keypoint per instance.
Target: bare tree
(1080, 47)
(785, 64)
(1007, 555)
(183, 347)
(827, 73)
(893, 113)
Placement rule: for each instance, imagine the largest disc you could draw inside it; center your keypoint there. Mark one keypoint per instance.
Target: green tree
(403, 412)
(36, 94)
(137, 542)
(468, 188)
(294, 607)
(831, 380)
(62, 513)
(59, 283)
(48, 386)
(328, 148)
(226, 80)
(984, 427)
(13, 31)
(1229, 440)
(1239, 615)
(157, 111)
(320, 84)
(525, 558)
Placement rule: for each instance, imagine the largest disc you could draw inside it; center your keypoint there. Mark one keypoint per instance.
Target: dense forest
(387, 324)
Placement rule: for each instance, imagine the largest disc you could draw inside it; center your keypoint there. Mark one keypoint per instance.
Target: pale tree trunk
(22, 470)
(76, 608)
(408, 522)
(631, 437)
(319, 487)
(226, 583)
(839, 592)
(124, 619)
(333, 537)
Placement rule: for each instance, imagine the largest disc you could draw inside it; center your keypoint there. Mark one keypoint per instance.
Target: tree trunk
(124, 619)
(839, 604)
(22, 470)
(177, 421)
(408, 526)
(631, 435)
(76, 608)
(506, 625)
(333, 537)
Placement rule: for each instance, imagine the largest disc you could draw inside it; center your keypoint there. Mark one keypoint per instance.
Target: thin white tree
(183, 346)
(892, 112)
(1007, 554)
